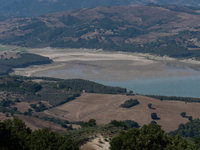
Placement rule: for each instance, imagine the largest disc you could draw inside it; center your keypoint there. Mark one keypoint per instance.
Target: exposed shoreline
(98, 64)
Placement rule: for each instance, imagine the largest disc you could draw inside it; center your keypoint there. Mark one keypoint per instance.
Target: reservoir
(142, 73)
(184, 86)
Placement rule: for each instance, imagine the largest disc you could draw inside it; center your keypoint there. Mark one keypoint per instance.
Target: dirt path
(106, 107)
(77, 114)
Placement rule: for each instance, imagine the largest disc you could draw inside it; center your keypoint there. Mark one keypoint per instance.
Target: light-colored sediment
(100, 65)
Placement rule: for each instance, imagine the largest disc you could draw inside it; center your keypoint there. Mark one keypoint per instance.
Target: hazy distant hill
(164, 30)
(38, 7)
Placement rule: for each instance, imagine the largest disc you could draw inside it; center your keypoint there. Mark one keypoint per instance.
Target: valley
(92, 74)
(101, 65)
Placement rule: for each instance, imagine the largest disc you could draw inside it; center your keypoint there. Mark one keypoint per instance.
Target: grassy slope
(148, 29)
(105, 108)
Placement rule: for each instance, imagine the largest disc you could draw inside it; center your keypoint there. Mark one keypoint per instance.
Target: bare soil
(22, 106)
(105, 107)
(99, 65)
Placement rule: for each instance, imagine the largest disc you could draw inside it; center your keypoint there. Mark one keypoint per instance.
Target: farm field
(105, 107)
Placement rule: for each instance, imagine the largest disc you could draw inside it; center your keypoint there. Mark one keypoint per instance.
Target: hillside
(64, 105)
(24, 8)
(23, 96)
(166, 30)
(105, 108)
(14, 59)
(62, 102)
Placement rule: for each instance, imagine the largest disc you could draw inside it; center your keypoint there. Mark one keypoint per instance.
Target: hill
(14, 59)
(63, 102)
(66, 104)
(25, 8)
(162, 30)
(22, 96)
(105, 108)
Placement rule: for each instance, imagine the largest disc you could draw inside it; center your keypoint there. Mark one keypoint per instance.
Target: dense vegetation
(190, 129)
(126, 124)
(89, 86)
(174, 98)
(25, 60)
(84, 134)
(56, 121)
(147, 137)
(56, 93)
(15, 135)
(90, 123)
(129, 103)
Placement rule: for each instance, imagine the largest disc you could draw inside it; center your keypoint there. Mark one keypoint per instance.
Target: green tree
(149, 105)
(90, 123)
(190, 118)
(153, 122)
(13, 134)
(149, 137)
(154, 116)
(119, 124)
(45, 139)
(183, 114)
(130, 92)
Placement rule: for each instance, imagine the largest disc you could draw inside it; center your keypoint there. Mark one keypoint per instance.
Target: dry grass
(22, 106)
(105, 108)
(97, 143)
(34, 123)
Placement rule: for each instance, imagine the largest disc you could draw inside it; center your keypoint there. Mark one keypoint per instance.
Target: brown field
(104, 108)
(22, 106)
(35, 123)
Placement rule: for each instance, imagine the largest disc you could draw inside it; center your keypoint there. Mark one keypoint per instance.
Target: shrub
(33, 105)
(190, 118)
(119, 124)
(183, 114)
(90, 123)
(153, 122)
(131, 124)
(14, 108)
(17, 100)
(149, 105)
(154, 116)
(130, 103)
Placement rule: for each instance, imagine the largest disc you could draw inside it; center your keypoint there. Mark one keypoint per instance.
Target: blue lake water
(185, 86)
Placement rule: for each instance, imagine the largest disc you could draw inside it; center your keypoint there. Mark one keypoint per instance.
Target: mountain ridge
(28, 8)
(162, 30)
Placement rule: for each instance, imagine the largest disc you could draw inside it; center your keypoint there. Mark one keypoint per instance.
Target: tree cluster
(129, 103)
(24, 61)
(90, 123)
(174, 98)
(126, 124)
(15, 135)
(149, 137)
(190, 129)
(90, 87)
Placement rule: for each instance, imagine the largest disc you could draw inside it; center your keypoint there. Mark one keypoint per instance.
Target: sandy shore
(101, 65)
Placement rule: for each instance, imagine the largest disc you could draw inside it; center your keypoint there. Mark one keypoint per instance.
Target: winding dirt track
(105, 107)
